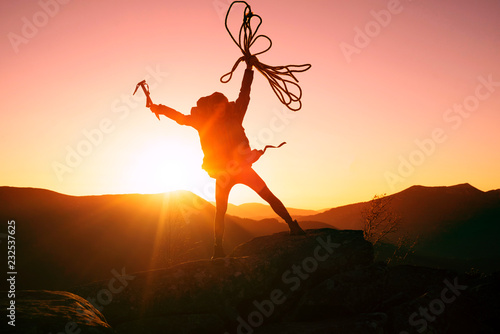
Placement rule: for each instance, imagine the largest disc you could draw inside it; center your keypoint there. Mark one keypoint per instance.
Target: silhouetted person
(228, 157)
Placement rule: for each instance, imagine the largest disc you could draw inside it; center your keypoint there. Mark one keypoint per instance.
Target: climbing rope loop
(281, 78)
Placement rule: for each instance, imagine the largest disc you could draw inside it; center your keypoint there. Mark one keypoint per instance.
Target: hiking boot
(218, 252)
(295, 229)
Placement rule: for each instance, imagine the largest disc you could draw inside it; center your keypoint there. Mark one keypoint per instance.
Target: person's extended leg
(222, 189)
(255, 182)
(275, 204)
(280, 209)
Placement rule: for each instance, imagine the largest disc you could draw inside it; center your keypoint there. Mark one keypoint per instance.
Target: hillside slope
(258, 211)
(456, 222)
(66, 240)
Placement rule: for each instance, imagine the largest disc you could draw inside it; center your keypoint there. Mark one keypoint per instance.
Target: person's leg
(222, 189)
(275, 204)
(254, 181)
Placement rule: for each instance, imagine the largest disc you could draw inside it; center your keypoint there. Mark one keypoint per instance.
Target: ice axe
(145, 88)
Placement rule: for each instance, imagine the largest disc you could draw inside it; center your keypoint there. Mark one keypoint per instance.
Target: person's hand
(155, 109)
(251, 61)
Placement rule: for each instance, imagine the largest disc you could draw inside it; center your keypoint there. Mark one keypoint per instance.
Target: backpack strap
(272, 146)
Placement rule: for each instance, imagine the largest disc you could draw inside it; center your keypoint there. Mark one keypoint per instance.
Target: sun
(163, 167)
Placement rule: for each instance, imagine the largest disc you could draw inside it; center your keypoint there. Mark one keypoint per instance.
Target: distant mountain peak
(464, 188)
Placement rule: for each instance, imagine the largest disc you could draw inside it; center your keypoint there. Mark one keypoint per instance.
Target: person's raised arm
(244, 96)
(171, 113)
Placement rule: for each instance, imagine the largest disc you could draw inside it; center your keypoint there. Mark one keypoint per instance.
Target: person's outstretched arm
(173, 114)
(244, 96)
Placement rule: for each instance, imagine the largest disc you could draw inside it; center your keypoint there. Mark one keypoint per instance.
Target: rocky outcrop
(39, 311)
(401, 299)
(324, 282)
(269, 272)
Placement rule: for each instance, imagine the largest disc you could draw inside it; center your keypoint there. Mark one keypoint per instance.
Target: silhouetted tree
(379, 220)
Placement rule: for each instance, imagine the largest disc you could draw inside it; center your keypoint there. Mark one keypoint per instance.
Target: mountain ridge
(453, 224)
(65, 239)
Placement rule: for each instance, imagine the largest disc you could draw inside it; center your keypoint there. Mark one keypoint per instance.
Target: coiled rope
(279, 77)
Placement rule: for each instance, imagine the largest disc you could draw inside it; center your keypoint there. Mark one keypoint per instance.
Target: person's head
(213, 105)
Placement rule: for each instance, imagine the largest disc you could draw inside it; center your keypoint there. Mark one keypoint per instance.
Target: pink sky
(377, 120)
